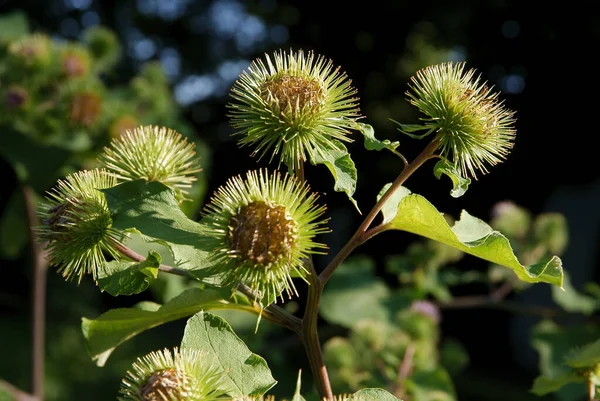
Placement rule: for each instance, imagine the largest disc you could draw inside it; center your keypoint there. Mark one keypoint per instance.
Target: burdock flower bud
(260, 229)
(472, 126)
(76, 224)
(75, 61)
(16, 97)
(31, 52)
(293, 104)
(153, 154)
(85, 108)
(165, 376)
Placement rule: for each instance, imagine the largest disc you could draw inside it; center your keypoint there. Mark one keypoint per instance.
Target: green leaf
(13, 26)
(243, 372)
(587, 356)
(390, 207)
(127, 278)
(342, 169)
(372, 143)
(554, 343)
(354, 287)
(408, 129)
(572, 300)
(13, 227)
(545, 385)
(431, 385)
(112, 328)
(471, 235)
(152, 209)
(297, 396)
(372, 394)
(460, 184)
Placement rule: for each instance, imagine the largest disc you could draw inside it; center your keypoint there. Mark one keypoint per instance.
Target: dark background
(541, 55)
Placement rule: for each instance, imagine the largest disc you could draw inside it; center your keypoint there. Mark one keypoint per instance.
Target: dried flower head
(85, 108)
(260, 229)
(295, 104)
(166, 376)
(153, 154)
(472, 126)
(76, 224)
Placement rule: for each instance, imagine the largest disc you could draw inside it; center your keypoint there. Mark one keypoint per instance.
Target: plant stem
(40, 269)
(404, 370)
(310, 336)
(18, 395)
(272, 313)
(359, 236)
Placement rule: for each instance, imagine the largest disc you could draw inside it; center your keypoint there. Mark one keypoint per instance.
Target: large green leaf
(372, 394)
(471, 235)
(355, 287)
(151, 209)
(127, 278)
(243, 372)
(342, 169)
(112, 328)
(390, 207)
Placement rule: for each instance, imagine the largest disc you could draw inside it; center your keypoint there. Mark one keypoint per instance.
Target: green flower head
(76, 224)
(165, 376)
(472, 126)
(152, 154)
(296, 105)
(260, 229)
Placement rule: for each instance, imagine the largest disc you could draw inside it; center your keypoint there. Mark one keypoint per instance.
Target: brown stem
(359, 236)
(40, 268)
(404, 370)
(18, 394)
(591, 390)
(310, 337)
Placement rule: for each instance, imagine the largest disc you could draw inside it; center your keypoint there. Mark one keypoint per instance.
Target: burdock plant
(257, 235)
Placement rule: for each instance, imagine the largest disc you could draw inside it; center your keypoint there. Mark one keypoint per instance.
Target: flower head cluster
(295, 104)
(260, 229)
(472, 126)
(153, 154)
(165, 376)
(76, 224)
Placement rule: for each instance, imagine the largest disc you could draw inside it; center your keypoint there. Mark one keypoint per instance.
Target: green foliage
(243, 373)
(127, 278)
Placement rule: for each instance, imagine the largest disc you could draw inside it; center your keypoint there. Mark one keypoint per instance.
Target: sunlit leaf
(242, 372)
(372, 143)
(471, 235)
(460, 184)
(372, 394)
(152, 209)
(390, 207)
(342, 169)
(112, 328)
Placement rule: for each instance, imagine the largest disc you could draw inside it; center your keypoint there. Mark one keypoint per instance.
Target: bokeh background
(540, 55)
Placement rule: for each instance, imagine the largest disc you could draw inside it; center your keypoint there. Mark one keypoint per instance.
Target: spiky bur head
(154, 154)
(473, 127)
(260, 229)
(164, 376)
(294, 104)
(31, 52)
(74, 61)
(76, 225)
